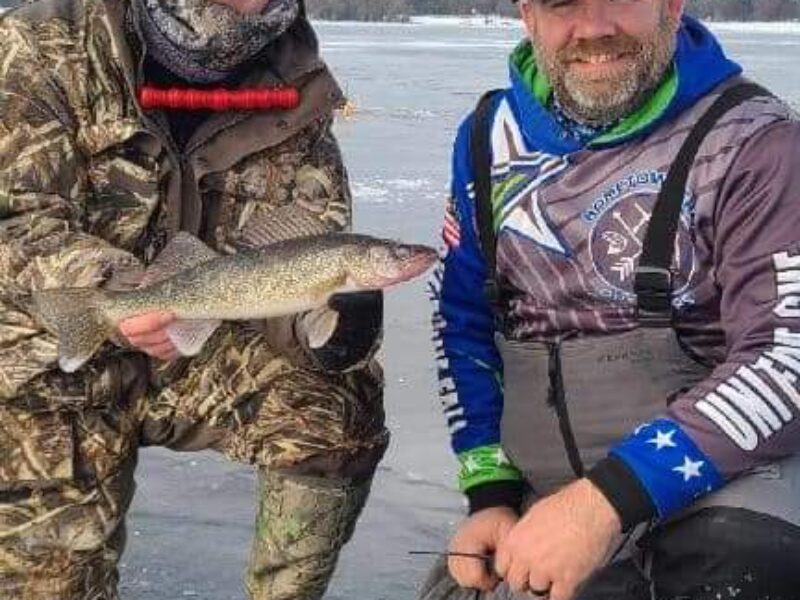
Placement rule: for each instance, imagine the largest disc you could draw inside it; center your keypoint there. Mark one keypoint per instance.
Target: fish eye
(379, 253)
(402, 252)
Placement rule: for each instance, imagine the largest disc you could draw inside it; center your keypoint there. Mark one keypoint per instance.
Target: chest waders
(567, 401)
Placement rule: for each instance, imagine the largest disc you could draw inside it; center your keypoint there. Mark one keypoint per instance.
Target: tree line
(394, 10)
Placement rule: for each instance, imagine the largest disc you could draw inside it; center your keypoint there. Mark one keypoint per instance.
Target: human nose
(594, 19)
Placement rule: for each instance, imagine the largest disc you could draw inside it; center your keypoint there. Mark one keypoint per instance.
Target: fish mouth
(407, 263)
(418, 260)
(423, 259)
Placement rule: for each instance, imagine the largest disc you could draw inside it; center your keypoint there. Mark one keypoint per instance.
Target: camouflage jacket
(91, 186)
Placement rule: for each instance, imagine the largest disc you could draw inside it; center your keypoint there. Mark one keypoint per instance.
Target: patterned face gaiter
(204, 42)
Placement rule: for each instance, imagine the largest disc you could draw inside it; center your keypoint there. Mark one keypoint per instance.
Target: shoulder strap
(653, 276)
(480, 155)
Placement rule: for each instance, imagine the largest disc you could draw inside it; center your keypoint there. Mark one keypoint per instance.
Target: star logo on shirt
(470, 464)
(501, 458)
(531, 223)
(522, 210)
(689, 468)
(663, 440)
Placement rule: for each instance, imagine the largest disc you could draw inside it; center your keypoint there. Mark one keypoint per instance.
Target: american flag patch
(451, 231)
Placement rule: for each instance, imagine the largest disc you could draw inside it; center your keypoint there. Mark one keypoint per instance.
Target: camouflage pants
(67, 459)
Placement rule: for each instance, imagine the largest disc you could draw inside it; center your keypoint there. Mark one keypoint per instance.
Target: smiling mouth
(600, 59)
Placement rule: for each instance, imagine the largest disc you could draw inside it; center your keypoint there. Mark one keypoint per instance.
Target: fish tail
(76, 316)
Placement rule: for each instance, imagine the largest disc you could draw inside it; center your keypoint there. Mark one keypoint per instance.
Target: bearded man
(617, 319)
(93, 185)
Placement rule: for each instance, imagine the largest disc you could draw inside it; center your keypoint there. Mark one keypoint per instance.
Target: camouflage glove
(357, 334)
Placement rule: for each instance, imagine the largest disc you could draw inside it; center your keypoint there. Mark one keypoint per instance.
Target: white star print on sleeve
(663, 440)
(669, 465)
(689, 468)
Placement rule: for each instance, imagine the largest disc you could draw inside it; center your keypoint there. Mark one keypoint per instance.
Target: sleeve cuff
(667, 465)
(485, 464)
(496, 493)
(623, 491)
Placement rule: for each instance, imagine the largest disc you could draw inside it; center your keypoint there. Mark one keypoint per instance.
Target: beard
(599, 99)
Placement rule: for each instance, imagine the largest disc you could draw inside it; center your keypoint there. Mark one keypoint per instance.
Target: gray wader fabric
(617, 582)
(610, 386)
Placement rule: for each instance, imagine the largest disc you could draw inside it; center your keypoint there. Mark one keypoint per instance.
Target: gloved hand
(358, 331)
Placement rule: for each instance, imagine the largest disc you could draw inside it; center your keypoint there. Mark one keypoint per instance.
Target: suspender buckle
(491, 291)
(653, 288)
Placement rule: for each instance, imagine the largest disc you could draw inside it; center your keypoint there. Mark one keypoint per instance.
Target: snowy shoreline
(790, 27)
(498, 22)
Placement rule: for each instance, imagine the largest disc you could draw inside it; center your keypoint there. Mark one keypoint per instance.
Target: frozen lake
(191, 520)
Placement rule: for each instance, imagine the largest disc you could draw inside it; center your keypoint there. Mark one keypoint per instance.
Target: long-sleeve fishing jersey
(570, 216)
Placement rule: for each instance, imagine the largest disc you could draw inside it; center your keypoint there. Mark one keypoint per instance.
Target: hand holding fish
(149, 333)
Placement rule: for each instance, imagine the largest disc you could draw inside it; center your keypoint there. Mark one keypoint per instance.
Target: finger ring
(539, 593)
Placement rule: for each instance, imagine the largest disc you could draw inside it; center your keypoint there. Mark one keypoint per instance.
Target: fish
(202, 289)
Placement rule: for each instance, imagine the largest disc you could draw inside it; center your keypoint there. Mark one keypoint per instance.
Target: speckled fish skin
(283, 278)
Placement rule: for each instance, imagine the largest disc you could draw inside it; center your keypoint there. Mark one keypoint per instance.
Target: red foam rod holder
(218, 100)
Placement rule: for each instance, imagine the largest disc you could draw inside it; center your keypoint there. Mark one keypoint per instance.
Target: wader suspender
(653, 276)
(480, 150)
(653, 279)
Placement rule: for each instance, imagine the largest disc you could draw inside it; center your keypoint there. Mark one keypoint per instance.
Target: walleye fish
(202, 288)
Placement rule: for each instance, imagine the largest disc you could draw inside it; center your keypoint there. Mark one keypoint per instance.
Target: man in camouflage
(91, 189)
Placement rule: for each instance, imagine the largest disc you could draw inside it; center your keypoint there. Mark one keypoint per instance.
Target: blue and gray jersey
(570, 219)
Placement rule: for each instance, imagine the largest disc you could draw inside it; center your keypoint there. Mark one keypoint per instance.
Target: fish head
(382, 263)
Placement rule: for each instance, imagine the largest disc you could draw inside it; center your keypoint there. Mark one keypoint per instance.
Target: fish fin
(189, 335)
(320, 325)
(183, 251)
(280, 224)
(75, 315)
